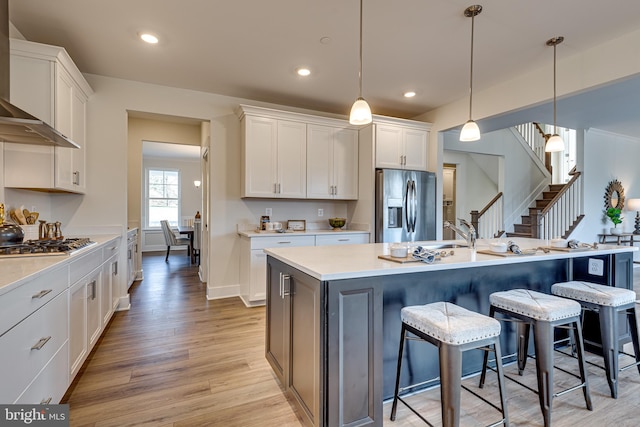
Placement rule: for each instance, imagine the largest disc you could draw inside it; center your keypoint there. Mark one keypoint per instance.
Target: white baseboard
(223, 292)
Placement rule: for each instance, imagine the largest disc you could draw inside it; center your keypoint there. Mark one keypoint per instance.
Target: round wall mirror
(614, 195)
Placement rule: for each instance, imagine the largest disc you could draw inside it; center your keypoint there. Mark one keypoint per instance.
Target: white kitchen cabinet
(274, 158)
(46, 83)
(30, 345)
(132, 256)
(332, 162)
(253, 260)
(401, 147)
(85, 320)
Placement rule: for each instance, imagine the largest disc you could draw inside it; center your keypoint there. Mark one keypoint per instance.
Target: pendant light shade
(470, 132)
(360, 111)
(555, 143)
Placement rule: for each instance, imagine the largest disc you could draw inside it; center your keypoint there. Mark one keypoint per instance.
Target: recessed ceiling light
(149, 38)
(303, 72)
(409, 94)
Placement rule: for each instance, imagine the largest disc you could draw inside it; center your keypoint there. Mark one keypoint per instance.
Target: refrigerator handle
(414, 201)
(407, 195)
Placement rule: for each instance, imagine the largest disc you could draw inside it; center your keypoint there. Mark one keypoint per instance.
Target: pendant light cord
(471, 74)
(555, 128)
(360, 72)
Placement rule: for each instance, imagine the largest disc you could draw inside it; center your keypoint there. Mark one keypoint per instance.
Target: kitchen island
(333, 314)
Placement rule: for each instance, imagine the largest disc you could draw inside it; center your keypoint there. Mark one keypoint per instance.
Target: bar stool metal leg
(394, 407)
(633, 328)
(543, 343)
(450, 379)
(582, 364)
(609, 335)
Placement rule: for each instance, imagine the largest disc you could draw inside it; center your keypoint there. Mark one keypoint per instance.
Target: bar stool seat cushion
(593, 293)
(535, 305)
(449, 323)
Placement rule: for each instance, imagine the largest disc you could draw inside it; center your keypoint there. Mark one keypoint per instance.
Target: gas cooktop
(45, 247)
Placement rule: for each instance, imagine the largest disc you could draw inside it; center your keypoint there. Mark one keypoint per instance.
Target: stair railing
(489, 222)
(562, 214)
(536, 138)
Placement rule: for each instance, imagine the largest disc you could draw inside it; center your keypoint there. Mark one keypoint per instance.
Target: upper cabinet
(332, 162)
(401, 144)
(297, 156)
(46, 83)
(275, 158)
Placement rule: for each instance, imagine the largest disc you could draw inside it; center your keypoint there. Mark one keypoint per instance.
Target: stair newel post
(536, 219)
(475, 217)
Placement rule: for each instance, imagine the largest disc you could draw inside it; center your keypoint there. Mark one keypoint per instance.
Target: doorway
(448, 199)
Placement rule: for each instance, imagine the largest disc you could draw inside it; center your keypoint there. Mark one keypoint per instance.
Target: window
(163, 196)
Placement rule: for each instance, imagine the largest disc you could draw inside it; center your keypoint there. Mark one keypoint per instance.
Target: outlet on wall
(596, 267)
(268, 212)
(320, 212)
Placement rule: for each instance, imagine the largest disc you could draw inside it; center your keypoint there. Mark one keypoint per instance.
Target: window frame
(146, 199)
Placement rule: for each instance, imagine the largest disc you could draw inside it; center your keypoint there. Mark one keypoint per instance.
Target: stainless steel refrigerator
(405, 205)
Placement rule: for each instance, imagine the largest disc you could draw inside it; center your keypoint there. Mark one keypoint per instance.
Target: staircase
(524, 228)
(556, 214)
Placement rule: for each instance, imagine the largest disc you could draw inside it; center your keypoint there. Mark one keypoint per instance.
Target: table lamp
(634, 205)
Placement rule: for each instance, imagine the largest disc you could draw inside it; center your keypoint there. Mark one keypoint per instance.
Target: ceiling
(251, 49)
(170, 151)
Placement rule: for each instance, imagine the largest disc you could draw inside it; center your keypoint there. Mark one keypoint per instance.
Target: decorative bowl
(337, 223)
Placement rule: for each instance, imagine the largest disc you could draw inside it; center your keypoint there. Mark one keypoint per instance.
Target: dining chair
(195, 249)
(170, 239)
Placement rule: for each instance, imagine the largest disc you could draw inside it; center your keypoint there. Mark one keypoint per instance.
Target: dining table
(188, 231)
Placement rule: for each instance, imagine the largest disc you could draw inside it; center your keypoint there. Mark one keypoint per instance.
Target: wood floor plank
(177, 359)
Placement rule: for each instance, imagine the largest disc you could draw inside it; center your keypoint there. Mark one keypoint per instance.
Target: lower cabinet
(29, 348)
(253, 259)
(293, 342)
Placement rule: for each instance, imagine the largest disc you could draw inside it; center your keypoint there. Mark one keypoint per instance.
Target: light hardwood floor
(176, 359)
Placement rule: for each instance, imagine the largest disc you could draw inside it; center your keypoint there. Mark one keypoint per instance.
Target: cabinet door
(77, 326)
(277, 338)
(78, 135)
(106, 299)
(115, 286)
(257, 289)
(345, 164)
(94, 318)
(131, 274)
(319, 162)
(63, 114)
(260, 146)
(415, 149)
(292, 160)
(304, 348)
(389, 150)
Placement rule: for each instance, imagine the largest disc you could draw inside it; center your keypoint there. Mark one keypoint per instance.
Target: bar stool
(607, 301)
(543, 312)
(453, 330)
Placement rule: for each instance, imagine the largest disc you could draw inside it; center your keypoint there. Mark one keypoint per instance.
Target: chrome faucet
(469, 236)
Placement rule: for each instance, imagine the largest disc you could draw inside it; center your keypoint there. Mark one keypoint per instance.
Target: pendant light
(360, 111)
(470, 131)
(555, 143)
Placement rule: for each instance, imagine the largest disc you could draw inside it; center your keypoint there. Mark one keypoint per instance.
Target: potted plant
(614, 215)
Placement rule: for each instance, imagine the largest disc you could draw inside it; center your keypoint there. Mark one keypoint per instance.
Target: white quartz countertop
(252, 233)
(353, 261)
(15, 271)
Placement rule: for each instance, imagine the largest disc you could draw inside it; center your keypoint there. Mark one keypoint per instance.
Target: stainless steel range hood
(16, 125)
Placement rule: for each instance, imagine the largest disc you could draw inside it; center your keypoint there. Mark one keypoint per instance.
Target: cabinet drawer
(50, 384)
(110, 249)
(342, 239)
(21, 302)
(84, 265)
(282, 241)
(20, 359)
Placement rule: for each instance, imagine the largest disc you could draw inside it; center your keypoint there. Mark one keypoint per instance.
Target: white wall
(523, 178)
(474, 188)
(607, 157)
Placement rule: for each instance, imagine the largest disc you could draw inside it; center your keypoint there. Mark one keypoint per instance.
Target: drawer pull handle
(41, 343)
(41, 293)
(284, 243)
(46, 401)
(343, 240)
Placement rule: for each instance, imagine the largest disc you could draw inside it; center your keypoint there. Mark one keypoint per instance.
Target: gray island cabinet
(333, 316)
